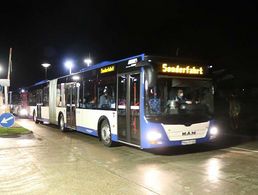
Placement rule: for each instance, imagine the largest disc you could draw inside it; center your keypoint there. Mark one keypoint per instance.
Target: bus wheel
(105, 133)
(61, 123)
(35, 117)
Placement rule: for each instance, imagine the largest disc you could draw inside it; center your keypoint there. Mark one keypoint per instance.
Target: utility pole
(10, 64)
(8, 77)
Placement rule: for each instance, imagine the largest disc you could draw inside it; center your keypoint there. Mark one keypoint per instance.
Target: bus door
(71, 94)
(129, 108)
(39, 100)
(39, 110)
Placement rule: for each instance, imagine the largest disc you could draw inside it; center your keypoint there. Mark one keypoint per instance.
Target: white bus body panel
(45, 112)
(31, 109)
(178, 132)
(88, 118)
(52, 101)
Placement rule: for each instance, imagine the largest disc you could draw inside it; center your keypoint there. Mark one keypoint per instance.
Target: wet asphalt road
(51, 162)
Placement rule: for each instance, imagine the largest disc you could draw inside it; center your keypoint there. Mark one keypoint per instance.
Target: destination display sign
(107, 69)
(182, 69)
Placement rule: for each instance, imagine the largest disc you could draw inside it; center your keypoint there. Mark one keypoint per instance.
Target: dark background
(222, 33)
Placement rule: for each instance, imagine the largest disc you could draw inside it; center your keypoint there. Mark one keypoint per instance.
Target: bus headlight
(153, 136)
(214, 130)
(23, 112)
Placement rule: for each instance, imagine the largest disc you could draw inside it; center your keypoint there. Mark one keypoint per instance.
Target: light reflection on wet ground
(213, 169)
(72, 163)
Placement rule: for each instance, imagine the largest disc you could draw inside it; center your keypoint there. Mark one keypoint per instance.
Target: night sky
(222, 33)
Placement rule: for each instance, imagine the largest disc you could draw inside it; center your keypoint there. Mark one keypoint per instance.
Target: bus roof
(173, 59)
(106, 63)
(39, 83)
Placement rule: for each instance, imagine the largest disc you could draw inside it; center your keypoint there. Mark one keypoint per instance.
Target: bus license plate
(188, 142)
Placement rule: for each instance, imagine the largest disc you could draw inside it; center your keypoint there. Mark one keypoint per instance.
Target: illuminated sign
(189, 133)
(131, 63)
(182, 70)
(107, 69)
(5, 82)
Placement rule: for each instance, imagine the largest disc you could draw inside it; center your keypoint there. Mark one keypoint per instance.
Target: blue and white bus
(144, 101)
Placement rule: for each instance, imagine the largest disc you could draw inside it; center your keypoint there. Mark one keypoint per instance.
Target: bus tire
(105, 133)
(61, 123)
(35, 117)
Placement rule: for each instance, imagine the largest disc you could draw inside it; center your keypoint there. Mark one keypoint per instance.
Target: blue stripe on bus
(137, 56)
(93, 132)
(142, 110)
(40, 83)
(87, 130)
(42, 119)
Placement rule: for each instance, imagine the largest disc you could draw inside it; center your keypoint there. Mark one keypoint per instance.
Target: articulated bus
(143, 101)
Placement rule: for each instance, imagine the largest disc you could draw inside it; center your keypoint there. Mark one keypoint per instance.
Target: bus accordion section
(143, 101)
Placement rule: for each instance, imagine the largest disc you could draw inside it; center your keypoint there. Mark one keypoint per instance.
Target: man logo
(188, 133)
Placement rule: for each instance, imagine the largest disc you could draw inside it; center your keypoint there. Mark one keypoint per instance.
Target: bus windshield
(184, 99)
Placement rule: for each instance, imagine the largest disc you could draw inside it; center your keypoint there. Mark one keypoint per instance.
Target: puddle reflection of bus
(144, 101)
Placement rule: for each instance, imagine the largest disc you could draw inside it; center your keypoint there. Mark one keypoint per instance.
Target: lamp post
(1, 70)
(87, 61)
(69, 65)
(2, 94)
(10, 97)
(45, 65)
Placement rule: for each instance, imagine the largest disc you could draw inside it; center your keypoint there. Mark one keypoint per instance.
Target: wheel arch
(59, 115)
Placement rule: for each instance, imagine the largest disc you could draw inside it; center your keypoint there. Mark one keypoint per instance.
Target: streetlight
(3, 94)
(69, 65)
(88, 61)
(45, 65)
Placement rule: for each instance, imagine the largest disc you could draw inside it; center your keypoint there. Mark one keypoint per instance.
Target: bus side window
(58, 97)
(89, 97)
(107, 93)
(46, 96)
(62, 99)
(105, 98)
